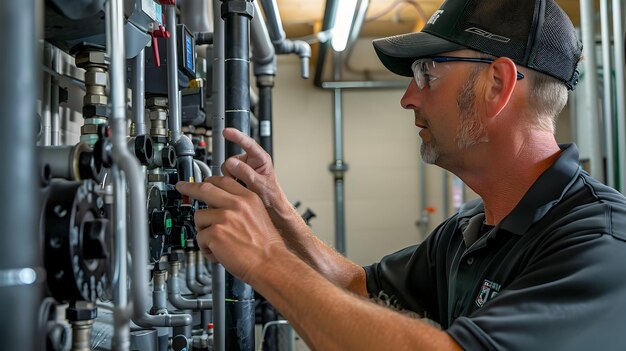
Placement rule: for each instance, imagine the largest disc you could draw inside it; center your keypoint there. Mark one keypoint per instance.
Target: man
(537, 264)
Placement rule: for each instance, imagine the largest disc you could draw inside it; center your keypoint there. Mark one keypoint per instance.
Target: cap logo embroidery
(484, 33)
(487, 292)
(435, 17)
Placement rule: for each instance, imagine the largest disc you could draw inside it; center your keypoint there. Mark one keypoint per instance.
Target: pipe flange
(76, 237)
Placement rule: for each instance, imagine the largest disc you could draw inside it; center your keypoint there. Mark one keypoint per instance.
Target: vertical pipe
(618, 40)
(589, 121)
(55, 118)
(135, 178)
(339, 166)
(115, 41)
(139, 92)
(445, 194)
(609, 140)
(423, 220)
(46, 98)
(121, 332)
(21, 271)
(172, 74)
(237, 15)
(217, 270)
(265, 84)
(330, 12)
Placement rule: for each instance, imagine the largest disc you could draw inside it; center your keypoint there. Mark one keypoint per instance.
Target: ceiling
(384, 17)
(303, 18)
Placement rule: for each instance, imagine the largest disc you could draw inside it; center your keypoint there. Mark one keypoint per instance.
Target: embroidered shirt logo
(487, 292)
(435, 17)
(488, 35)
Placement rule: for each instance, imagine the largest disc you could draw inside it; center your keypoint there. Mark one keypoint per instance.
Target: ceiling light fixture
(343, 24)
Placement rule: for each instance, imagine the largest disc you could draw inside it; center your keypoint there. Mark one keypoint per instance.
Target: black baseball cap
(533, 33)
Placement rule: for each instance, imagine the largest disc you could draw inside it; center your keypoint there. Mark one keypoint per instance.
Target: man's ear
(499, 85)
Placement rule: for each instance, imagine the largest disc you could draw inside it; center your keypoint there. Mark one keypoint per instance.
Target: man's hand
(235, 230)
(254, 168)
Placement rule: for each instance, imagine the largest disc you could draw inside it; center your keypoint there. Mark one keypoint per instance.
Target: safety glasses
(421, 68)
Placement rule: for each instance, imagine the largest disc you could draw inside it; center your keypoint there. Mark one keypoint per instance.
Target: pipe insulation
(237, 15)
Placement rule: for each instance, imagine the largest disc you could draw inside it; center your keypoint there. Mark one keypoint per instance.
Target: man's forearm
(329, 318)
(324, 259)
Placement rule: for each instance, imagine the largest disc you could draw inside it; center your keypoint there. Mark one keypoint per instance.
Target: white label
(265, 129)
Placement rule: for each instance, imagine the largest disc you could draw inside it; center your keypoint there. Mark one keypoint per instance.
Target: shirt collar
(545, 193)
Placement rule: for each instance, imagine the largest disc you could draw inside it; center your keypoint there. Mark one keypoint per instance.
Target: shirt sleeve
(571, 296)
(406, 279)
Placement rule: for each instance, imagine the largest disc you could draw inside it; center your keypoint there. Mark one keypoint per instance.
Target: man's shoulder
(593, 207)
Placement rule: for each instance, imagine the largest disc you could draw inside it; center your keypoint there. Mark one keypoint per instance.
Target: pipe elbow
(184, 147)
(302, 48)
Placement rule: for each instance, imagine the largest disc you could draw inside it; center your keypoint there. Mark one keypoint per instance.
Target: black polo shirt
(549, 276)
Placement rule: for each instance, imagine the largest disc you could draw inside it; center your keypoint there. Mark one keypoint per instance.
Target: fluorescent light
(343, 23)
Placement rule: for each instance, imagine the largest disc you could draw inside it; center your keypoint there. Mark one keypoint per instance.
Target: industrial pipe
(46, 96)
(339, 166)
(172, 74)
(205, 171)
(281, 44)
(139, 92)
(201, 276)
(217, 142)
(588, 122)
(330, 12)
(620, 90)
(237, 15)
(265, 83)
(263, 54)
(175, 297)
(607, 98)
(136, 188)
(195, 15)
(55, 118)
(190, 275)
(21, 272)
(71, 162)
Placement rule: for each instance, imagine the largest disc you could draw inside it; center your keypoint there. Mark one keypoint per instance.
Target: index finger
(247, 143)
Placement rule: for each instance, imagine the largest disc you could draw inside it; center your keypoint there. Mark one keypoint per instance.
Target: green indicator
(182, 237)
(168, 223)
(231, 300)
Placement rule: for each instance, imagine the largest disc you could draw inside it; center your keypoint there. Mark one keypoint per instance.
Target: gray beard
(470, 131)
(429, 153)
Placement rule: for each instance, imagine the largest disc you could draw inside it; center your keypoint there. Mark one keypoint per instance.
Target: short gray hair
(547, 98)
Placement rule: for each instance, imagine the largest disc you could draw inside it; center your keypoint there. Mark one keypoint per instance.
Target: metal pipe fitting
(190, 275)
(175, 297)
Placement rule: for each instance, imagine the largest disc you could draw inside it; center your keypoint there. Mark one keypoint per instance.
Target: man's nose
(410, 99)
